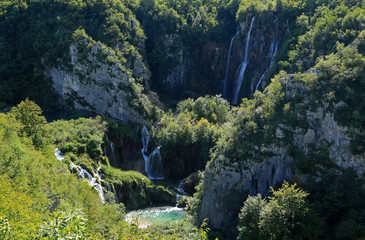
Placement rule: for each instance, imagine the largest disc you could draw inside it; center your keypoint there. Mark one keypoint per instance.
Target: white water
(242, 67)
(83, 174)
(272, 52)
(226, 76)
(59, 155)
(153, 161)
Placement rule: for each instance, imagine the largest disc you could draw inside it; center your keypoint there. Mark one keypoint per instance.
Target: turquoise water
(160, 215)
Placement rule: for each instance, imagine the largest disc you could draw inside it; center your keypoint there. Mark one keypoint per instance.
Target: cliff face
(193, 71)
(97, 82)
(227, 184)
(188, 71)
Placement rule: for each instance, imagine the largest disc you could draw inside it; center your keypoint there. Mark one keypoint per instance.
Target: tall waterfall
(226, 76)
(242, 67)
(84, 174)
(272, 52)
(153, 161)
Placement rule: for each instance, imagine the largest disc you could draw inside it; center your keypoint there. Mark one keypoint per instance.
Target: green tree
(285, 215)
(249, 218)
(29, 114)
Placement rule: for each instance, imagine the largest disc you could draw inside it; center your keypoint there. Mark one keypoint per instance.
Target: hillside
(254, 105)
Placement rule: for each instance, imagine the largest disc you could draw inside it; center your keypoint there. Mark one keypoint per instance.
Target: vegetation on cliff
(320, 67)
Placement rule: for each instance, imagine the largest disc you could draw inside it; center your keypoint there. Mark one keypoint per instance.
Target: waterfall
(112, 149)
(153, 162)
(84, 174)
(272, 52)
(226, 76)
(59, 155)
(92, 181)
(111, 188)
(242, 67)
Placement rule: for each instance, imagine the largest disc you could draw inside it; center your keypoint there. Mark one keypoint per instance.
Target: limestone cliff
(97, 81)
(227, 183)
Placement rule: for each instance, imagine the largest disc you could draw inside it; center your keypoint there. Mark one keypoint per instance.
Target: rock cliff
(192, 71)
(97, 81)
(227, 183)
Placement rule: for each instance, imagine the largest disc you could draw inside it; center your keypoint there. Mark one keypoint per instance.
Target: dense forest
(257, 107)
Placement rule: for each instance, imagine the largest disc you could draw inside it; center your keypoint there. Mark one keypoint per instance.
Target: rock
(226, 187)
(96, 84)
(227, 183)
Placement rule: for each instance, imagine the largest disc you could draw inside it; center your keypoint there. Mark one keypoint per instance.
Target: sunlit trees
(33, 123)
(285, 216)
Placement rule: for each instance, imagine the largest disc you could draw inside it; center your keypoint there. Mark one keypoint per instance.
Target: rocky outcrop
(96, 81)
(227, 183)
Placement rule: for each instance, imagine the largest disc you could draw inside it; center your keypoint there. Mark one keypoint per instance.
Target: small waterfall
(153, 162)
(83, 174)
(242, 67)
(272, 52)
(59, 155)
(226, 76)
(287, 25)
(112, 149)
(111, 188)
(92, 181)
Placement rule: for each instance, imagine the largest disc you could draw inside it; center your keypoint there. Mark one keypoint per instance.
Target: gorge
(227, 110)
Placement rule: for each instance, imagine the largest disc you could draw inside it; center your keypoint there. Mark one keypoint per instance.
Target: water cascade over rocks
(226, 76)
(153, 161)
(83, 174)
(242, 68)
(272, 52)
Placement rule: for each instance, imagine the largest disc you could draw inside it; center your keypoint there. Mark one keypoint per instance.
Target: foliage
(68, 225)
(29, 114)
(249, 217)
(4, 227)
(191, 133)
(286, 215)
(80, 138)
(39, 197)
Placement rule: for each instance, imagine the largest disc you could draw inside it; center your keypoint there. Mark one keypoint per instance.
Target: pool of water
(159, 215)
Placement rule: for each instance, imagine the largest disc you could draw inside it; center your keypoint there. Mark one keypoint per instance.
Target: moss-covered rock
(135, 190)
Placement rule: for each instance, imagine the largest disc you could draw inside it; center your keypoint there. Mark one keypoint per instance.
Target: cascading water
(83, 174)
(112, 149)
(242, 67)
(272, 52)
(226, 76)
(153, 162)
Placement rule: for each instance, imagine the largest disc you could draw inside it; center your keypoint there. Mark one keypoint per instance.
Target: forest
(256, 108)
